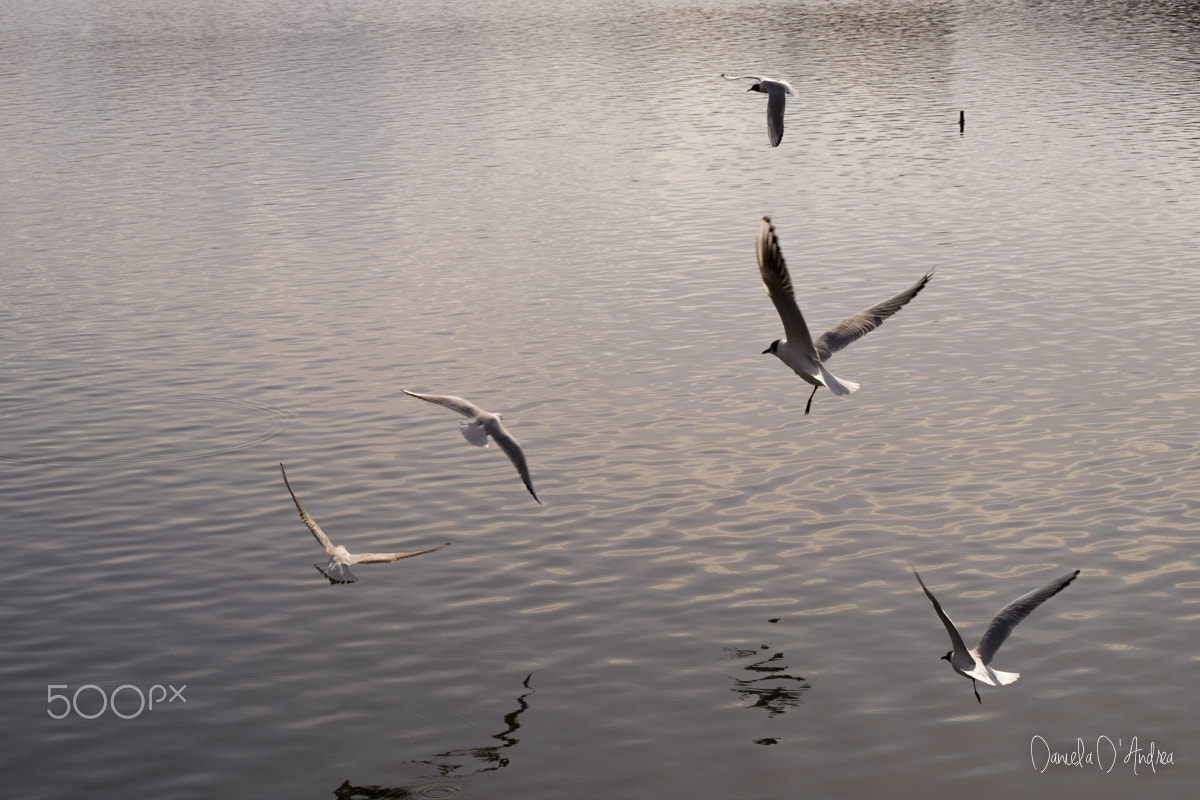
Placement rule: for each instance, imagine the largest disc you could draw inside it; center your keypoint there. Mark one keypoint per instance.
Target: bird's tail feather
(1005, 678)
(836, 385)
(336, 573)
(474, 433)
(992, 677)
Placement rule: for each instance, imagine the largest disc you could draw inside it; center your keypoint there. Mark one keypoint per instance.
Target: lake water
(233, 231)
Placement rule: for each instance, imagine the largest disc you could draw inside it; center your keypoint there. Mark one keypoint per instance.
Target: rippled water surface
(233, 231)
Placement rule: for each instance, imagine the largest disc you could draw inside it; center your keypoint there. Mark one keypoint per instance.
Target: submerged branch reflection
(486, 759)
(490, 755)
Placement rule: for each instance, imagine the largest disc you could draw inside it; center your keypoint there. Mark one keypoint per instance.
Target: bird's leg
(810, 397)
(976, 688)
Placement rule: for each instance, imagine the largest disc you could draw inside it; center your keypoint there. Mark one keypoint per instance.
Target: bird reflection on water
(774, 689)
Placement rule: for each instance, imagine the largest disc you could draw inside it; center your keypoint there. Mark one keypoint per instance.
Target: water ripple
(134, 427)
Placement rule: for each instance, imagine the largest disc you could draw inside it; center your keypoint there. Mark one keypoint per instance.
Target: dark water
(233, 231)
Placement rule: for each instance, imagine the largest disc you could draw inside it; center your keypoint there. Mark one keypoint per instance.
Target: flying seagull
(776, 92)
(806, 358)
(340, 559)
(976, 664)
(480, 426)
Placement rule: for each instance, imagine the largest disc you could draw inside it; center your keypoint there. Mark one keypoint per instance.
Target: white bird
(340, 559)
(479, 427)
(776, 92)
(806, 358)
(976, 664)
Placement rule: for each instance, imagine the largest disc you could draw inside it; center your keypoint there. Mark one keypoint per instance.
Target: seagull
(776, 91)
(806, 358)
(340, 559)
(976, 664)
(483, 424)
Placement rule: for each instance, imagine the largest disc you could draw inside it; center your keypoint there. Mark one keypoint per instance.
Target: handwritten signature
(1103, 756)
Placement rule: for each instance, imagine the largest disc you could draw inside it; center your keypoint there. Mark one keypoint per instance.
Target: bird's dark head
(756, 88)
(774, 348)
(949, 654)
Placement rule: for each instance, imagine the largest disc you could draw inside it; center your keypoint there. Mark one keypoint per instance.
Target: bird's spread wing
(774, 272)
(775, 103)
(308, 521)
(387, 558)
(728, 77)
(955, 638)
(512, 448)
(854, 328)
(1004, 622)
(464, 407)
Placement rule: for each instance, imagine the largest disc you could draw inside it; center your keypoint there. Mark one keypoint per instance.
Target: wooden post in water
(962, 122)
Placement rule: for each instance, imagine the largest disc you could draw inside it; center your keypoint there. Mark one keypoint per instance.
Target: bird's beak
(764, 352)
